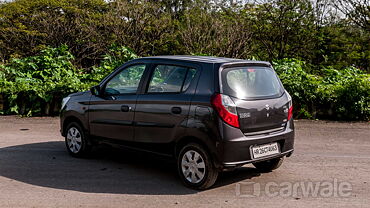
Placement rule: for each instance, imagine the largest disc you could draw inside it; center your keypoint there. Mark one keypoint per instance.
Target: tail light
(290, 106)
(290, 112)
(226, 109)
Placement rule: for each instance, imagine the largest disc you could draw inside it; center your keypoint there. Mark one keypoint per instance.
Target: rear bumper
(240, 163)
(236, 149)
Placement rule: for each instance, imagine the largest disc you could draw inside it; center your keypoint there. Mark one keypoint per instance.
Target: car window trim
(151, 74)
(103, 84)
(281, 90)
(242, 64)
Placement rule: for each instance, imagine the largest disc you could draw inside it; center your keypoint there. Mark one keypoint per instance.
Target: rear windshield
(251, 82)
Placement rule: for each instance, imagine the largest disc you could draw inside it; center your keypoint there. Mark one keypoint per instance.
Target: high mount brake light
(226, 109)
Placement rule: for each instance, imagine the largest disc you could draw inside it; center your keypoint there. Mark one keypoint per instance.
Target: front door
(111, 114)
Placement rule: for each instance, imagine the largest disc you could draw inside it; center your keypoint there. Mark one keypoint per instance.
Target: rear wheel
(76, 141)
(269, 165)
(195, 167)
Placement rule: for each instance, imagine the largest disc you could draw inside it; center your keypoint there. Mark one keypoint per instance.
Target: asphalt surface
(36, 171)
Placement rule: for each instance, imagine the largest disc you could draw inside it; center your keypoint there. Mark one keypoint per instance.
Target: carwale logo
(319, 189)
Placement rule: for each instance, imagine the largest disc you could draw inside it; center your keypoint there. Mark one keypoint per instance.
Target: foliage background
(320, 48)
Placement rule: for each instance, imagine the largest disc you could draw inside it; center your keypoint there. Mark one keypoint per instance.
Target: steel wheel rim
(74, 140)
(193, 166)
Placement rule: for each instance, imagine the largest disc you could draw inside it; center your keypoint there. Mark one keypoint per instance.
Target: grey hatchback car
(210, 114)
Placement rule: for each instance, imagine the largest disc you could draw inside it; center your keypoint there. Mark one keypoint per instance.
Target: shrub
(39, 82)
(35, 85)
(348, 92)
(338, 94)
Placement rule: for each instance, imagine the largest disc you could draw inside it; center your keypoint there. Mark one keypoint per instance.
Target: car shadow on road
(108, 171)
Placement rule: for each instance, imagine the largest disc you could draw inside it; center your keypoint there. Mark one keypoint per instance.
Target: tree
(142, 26)
(282, 28)
(28, 26)
(224, 33)
(358, 11)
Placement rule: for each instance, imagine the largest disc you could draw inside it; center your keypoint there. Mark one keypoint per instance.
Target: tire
(269, 165)
(76, 140)
(195, 167)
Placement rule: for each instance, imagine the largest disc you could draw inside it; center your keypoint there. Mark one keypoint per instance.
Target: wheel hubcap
(74, 140)
(193, 166)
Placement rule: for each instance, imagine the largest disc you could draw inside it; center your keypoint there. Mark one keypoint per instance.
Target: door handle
(125, 108)
(176, 110)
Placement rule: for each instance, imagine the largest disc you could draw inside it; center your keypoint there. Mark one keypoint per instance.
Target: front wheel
(195, 167)
(269, 165)
(76, 141)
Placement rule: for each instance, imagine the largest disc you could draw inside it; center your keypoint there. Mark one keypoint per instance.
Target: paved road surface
(36, 171)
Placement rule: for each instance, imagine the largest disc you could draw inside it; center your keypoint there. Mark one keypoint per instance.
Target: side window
(125, 82)
(167, 78)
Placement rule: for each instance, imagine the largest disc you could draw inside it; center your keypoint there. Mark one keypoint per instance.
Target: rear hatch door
(260, 98)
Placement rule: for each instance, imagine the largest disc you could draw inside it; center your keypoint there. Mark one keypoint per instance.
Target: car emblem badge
(267, 107)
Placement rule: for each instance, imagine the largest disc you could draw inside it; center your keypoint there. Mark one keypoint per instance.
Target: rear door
(111, 114)
(162, 110)
(262, 105)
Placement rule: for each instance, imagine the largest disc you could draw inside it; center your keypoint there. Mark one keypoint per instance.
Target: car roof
(206, 59)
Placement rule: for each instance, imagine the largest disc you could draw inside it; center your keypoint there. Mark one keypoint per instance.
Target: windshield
(251, 82)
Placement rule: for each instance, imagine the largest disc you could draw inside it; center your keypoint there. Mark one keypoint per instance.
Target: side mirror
(95, 90)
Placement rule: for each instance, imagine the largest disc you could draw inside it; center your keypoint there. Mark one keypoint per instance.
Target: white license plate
(265, 150)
